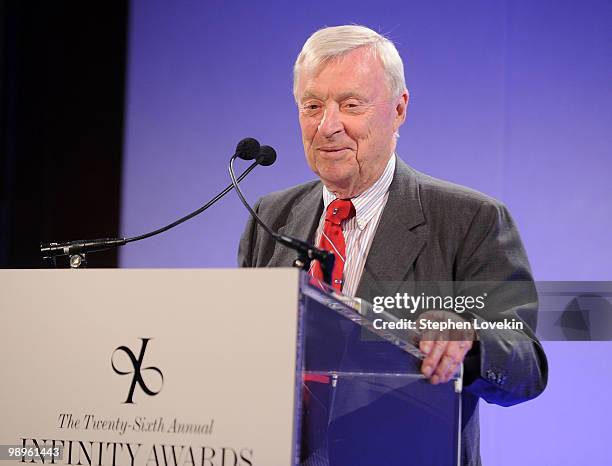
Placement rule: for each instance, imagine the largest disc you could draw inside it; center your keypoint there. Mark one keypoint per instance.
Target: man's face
(348, 120)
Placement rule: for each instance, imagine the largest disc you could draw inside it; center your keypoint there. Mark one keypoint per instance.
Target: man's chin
(339, 182)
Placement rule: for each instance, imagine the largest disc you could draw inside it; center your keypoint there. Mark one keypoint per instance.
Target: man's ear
(401, 108)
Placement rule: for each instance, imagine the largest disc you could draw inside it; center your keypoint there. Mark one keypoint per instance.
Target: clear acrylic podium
(364, 401)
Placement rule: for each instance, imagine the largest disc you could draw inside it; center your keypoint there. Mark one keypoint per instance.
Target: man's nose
(331, 123)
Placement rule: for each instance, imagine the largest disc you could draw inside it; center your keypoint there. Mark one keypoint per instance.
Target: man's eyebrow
(309, 95)
(351, 95)
(343, 96)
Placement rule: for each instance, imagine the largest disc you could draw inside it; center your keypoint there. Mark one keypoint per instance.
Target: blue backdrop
(513, 98)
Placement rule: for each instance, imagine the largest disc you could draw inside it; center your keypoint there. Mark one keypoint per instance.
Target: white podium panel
(149, 367)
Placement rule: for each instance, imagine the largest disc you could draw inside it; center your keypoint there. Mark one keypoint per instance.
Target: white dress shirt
(359, 230)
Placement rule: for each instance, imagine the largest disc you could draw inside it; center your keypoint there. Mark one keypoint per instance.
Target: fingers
(444, 351)
(434, 351)
(443, 359)
(447, 368)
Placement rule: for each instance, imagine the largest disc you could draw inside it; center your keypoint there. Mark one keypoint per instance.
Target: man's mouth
(332, 149)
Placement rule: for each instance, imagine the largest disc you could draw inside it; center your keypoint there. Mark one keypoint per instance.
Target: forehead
(358, 71)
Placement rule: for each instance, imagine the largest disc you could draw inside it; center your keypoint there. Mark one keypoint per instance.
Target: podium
(212, 368)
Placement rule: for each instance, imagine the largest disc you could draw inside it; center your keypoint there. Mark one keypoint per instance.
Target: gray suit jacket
(433, 231)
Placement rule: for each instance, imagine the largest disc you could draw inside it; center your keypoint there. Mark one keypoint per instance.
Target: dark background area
(62, 81)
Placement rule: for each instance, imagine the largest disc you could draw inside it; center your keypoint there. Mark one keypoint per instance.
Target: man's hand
(444, 350)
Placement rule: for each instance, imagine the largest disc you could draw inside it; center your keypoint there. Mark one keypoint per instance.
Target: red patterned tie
(332, 239)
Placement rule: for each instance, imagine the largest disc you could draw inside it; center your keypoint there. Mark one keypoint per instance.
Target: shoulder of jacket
(451, 194)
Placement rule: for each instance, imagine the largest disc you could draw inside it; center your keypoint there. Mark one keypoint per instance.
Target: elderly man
(388, 223)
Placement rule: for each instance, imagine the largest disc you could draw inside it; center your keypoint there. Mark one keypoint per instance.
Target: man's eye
(311, 109)
(352, 106)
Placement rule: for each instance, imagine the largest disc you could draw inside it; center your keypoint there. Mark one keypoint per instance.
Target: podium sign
(150, 367)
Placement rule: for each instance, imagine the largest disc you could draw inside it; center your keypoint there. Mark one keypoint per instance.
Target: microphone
(75, 247)
(306, 251)
(266, 157)
(247, 149)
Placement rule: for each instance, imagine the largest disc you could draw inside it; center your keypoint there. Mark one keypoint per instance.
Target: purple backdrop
(513, 98)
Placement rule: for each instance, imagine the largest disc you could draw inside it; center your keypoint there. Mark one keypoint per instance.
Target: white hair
(333, 42)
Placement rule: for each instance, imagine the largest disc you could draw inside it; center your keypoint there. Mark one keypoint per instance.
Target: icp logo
(138, 370)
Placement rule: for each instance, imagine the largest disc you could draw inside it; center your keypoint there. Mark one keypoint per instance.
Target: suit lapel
(397, 243)
(304, 217)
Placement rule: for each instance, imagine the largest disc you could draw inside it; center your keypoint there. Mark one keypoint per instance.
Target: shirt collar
(367, 200)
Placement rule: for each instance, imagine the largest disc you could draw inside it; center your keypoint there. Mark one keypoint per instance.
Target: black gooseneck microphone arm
(195, 212)
(77, 250)
(306, 251)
